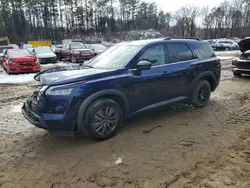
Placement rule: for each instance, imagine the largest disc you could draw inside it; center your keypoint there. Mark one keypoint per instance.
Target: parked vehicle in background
(2, 50)
(27, 46)
(241, 65)
(4, 41)
(45, 55)
(126, 79)
(15, 46)
(74, 52)
(20, 61)
(227, 44)
(58, 48)
(97, 48)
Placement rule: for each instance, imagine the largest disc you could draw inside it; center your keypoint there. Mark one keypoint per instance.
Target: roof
(149, 41)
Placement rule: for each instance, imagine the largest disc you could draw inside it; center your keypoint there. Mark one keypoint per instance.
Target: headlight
(55, 91)
(11, 62)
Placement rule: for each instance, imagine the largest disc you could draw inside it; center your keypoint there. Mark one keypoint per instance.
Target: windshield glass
(77, 45)
(116, 57)
(16, 54)
(42, 50)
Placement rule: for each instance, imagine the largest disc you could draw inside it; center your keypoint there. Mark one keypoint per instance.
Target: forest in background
(23, 20)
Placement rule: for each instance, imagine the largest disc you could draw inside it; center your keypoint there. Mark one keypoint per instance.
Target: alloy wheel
(105, 121)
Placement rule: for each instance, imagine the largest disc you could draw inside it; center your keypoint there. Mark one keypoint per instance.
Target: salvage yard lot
(175, 146)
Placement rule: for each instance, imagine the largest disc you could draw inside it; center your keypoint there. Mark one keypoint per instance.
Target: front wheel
(201, 94)
(73, 59)
(103, 119)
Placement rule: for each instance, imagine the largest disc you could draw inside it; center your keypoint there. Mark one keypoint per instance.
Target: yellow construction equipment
(40, 43)
(5, 39)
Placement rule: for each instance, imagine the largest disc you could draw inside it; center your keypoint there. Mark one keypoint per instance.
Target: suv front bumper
(55, 124)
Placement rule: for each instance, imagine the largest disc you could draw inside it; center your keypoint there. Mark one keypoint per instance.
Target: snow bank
(235, 53)
(17, 79)
(25, 78)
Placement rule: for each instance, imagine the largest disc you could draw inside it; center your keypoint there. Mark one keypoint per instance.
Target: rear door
(180, 60)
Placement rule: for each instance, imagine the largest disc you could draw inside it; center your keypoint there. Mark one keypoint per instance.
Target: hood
(46, 55)
(244, 44)
(23, 59)
(65, 77)
(82, 50)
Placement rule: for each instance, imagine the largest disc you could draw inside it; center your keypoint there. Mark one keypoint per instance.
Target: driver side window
(154, 54)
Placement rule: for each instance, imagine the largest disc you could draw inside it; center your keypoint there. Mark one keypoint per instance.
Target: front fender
(82, 110)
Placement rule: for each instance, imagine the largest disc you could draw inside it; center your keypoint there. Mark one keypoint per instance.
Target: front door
(149, 87)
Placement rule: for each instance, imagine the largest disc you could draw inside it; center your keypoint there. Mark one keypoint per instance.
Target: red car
(20, 61)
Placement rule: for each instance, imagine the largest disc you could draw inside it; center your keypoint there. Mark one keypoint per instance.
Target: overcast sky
(173, 5)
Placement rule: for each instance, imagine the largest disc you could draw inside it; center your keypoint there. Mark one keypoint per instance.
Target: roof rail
(177, 37)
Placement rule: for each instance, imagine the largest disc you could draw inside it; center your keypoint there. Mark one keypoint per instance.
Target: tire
(59, 56)
(73, 59)
(201, 94)
(236, 73)
(103, 119)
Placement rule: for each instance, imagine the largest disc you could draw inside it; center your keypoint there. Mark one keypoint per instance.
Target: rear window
(202, 50)
(178, 52)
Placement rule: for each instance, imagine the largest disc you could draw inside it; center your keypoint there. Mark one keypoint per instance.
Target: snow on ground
(16, 78)
(228, 53)
(25, 78)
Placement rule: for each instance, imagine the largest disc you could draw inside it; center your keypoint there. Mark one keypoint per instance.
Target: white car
(97, 48)
(225, 45)
(45, 55)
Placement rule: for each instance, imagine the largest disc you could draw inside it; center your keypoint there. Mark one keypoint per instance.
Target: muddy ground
(172, 147)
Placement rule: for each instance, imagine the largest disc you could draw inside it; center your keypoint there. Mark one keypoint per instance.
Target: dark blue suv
(127, 78)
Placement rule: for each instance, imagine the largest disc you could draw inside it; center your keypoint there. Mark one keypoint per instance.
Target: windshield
(116, 57)
(16, 54)
(77, 45)
(42, 50)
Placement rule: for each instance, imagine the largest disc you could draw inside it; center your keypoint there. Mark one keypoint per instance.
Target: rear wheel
(103, 119)
(202, 93)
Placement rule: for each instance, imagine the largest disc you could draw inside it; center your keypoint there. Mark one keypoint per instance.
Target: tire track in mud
(228, 168)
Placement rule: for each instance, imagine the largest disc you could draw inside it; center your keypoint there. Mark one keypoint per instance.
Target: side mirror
(143, 65)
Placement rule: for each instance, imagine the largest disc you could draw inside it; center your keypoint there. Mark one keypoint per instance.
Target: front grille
(48, 60)
(26, 64)
(85, 53)
(243, 64)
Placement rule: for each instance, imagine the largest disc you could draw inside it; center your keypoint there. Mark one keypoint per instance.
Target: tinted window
(202, 49)
(154, 54)
(179, 52)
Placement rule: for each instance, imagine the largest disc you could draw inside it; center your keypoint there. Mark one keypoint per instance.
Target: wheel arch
(208, 76)
(118, 96)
